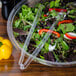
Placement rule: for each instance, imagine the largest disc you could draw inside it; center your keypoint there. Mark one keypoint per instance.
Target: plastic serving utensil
(40, 46)
(30, 34)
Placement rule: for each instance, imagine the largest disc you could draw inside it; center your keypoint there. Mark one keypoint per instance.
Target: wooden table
(10, 67)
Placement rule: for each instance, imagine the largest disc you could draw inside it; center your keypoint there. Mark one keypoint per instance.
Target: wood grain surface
(3, 24)
(10, 67)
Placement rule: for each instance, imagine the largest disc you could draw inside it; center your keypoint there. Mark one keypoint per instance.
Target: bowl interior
(13, 40)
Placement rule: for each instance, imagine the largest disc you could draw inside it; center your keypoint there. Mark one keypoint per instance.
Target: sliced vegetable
(66, 37)
(46, 30)
(58, 9)
(51, 48)
(45, 15)
(71, 35)
(65, 21)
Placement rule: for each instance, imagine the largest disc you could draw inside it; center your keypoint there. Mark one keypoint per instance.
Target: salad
(61, 45)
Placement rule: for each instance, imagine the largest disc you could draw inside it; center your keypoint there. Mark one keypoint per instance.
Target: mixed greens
(61, 45)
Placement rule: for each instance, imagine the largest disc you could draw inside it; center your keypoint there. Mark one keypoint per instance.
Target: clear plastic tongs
(40, 46)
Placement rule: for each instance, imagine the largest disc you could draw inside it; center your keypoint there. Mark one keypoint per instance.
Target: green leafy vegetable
(38, 42)
(56, 56)
(17, 23)
(15, 34)
(66, 27)
(37, 36)
(65, 46)
(26, 27)
(72, 11)
(27, 13)
(42, 57)
(53, 13)
(59, 40)
(52, 4)
(21, 45)
(72, 16)
(45, 49)
(55, 3)
(74, 51)
(24, 22)
(46, 46)
(49, 41)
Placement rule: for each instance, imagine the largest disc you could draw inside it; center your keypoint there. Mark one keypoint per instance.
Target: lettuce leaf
(66, 27)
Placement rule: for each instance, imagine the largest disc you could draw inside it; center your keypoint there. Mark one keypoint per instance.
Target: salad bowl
(25, 13)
